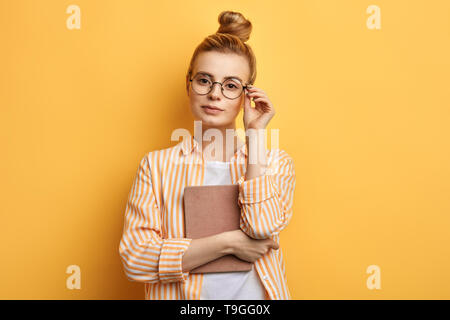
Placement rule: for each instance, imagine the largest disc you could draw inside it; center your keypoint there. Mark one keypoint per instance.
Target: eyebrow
(227, 77)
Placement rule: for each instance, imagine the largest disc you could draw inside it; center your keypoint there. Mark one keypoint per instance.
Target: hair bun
(236, 24)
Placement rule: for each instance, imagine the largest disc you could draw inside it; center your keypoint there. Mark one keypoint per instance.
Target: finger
(255, 94)
(255, 89)
(264, 106)
(275, 245)
(271, 244)
(259, 98)
(247, 103)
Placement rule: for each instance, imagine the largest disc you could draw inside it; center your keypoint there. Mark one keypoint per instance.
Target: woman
(153, 248)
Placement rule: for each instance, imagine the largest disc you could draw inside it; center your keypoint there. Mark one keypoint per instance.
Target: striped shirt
(153, 240)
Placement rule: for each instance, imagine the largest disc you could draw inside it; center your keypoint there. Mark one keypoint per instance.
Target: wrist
(226, 243)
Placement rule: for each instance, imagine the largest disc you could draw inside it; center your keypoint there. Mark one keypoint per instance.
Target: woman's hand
(246, 248)
(259, 116)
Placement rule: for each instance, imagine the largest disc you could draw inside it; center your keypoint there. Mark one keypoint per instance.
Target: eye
(231, 86)
(203, 81)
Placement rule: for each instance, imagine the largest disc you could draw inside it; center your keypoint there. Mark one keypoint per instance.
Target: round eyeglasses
(231, 88)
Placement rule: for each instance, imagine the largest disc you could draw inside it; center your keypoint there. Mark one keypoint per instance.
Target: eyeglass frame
(221, 86)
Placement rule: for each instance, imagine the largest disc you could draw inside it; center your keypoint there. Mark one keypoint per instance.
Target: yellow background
(364, 113)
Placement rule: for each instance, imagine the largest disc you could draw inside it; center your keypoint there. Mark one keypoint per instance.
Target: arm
(233, 242)
(266, 195)
(147, 257)
(206, 249)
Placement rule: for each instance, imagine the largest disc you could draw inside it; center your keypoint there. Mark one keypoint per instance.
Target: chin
(212, 122)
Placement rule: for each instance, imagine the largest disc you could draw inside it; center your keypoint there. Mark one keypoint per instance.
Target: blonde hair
(231, 36)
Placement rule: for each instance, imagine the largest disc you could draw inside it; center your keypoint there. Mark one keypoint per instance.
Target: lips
(212, 107)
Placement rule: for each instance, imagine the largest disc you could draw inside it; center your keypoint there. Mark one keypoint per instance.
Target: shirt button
(265, 277)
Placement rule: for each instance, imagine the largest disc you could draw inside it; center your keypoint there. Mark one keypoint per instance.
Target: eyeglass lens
(232, 88)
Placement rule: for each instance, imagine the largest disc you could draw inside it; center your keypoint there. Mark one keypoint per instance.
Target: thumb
(246, 101)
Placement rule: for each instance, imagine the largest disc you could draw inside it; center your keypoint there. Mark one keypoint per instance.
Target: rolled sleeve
(170, 260)
(257, 189)
(266, 201)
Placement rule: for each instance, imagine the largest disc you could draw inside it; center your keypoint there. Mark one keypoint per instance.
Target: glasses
(231, 88)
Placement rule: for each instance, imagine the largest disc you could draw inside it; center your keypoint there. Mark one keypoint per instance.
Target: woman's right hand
(246, 248)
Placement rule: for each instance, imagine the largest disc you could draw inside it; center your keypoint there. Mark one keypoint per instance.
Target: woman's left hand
(259, 116)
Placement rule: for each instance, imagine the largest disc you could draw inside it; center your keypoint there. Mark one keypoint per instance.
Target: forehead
(222, 65)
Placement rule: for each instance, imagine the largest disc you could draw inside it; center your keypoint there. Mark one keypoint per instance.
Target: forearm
(204, 250)
(257, 158)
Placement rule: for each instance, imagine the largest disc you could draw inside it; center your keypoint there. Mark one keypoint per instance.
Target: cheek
(194, 99)
(236, 108)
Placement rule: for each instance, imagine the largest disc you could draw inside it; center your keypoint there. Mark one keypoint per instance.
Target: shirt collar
(188, 145)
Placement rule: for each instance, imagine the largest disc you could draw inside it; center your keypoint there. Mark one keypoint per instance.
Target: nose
(215, 90)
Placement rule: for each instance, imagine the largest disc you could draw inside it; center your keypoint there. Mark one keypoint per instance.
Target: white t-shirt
(241, 285)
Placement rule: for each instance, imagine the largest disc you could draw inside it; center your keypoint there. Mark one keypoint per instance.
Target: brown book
(212, 209)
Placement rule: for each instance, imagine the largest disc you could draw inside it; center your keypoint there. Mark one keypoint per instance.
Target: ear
(187, 84)
(244, 94)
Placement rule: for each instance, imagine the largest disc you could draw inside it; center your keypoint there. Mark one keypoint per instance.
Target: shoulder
(158, 157)
(279, 155)
(280, 161)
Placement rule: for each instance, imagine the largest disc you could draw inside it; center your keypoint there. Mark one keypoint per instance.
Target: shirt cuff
(170, 260)
(257, 189)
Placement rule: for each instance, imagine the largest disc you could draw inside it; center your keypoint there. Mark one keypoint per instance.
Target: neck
(230, 141)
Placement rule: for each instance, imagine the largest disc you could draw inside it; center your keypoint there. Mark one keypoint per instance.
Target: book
(209, 210)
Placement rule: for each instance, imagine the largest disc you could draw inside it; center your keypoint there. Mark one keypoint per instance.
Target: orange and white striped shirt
(153, 240)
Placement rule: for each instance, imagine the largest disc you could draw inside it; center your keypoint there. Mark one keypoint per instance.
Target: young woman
(153, 248)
